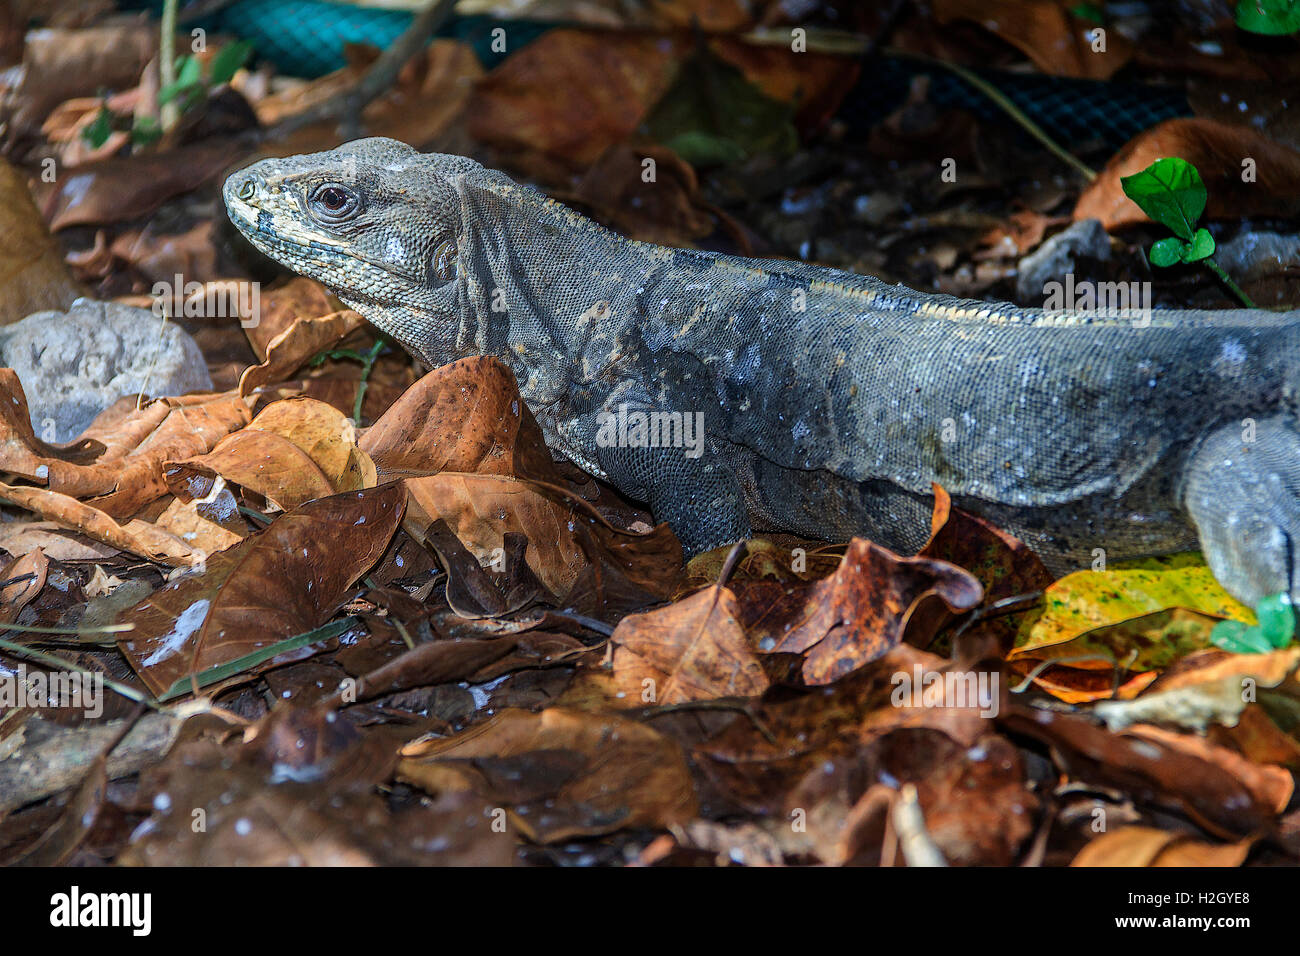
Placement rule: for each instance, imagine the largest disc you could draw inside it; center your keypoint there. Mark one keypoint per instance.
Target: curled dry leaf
(1047, 32)
(612, 78)
(136, 537)
(32, 274)
(1151, 771)
(477, 460)
(119, 458)
(1147, 846)
(561, 773)
(20, 581)
(291, 349)
(756, 771)
(1210, 690)
(859, 612)
(293, 451)
(281, 308)
(466, 416)
(121, 189)
(279, 582)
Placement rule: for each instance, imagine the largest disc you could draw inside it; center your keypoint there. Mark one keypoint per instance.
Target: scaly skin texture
(830, 401)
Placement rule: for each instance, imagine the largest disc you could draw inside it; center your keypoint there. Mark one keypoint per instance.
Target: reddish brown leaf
(279, 582)
(562, 773)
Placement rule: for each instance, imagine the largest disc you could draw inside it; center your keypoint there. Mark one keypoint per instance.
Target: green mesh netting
(307, 38)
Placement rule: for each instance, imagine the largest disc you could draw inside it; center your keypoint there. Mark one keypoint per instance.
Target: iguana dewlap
(830, 401)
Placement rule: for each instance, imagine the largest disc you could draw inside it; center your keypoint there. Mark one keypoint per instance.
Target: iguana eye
(331, 202)
(444, 260)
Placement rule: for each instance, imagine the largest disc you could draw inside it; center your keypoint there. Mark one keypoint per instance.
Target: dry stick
(909, 823)
(348, 105)
(1002, 102)
(170, 111)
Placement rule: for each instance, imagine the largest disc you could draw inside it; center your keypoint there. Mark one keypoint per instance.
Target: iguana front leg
(1243, 494)
(692, 487)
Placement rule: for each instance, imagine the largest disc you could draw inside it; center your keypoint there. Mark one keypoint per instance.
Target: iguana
(831, 401)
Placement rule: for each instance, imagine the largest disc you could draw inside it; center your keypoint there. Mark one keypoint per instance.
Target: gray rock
(1055, 257)
(1252, 255)
(74, 365)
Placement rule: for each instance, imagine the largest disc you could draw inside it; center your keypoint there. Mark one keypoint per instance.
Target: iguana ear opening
(443, 263)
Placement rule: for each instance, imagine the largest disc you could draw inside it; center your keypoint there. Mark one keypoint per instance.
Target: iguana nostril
(246, 190)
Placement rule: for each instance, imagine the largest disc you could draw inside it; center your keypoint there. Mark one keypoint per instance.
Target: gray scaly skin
(831, 401)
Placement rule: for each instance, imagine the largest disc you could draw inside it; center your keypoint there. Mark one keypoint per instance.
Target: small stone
(75, 365)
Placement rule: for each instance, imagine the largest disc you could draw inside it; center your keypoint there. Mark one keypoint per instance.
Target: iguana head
(375, 221)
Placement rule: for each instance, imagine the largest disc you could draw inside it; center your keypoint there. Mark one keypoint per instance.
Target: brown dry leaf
(279, 582)
(977, 809)
(1004, 566)
(1203, 689)
(61, 64)
(292, 348)
(1151, 771)
(120, 457)
(325, 814)
(562, 773)
(137, 537)
(479, 462)
(1271, 786)
(1146, 846)
(293, 451)
(668, 211)
(160, 257)
(611, 80)
(32, 274)
(857, 614)
(811, 726)
(1217, 150)
(466, 416)
(565, 534)
(119, 189)
(693, 649)
(20, 581)
(1046, 32)
(58, 543)
(788, 561)
(207, 525)
(815, 82)
(298, 300)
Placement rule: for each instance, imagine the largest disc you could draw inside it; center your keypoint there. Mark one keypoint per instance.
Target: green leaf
(145, 131)
(1276, 619)
(1270, 17)
(702, 149)
(711, 115)
(1169, 252)
(188, 79)
(229, 59)
(1171, 192)
(1161, 608)
(248, 661)
(1089, 11)
(1237, 638)
(1201, 246)
(97, 133)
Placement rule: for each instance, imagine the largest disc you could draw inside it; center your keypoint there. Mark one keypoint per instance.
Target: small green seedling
(1172, 193)
(189, 90)
(1274, 631)
(191, 86)
(1270, 17)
